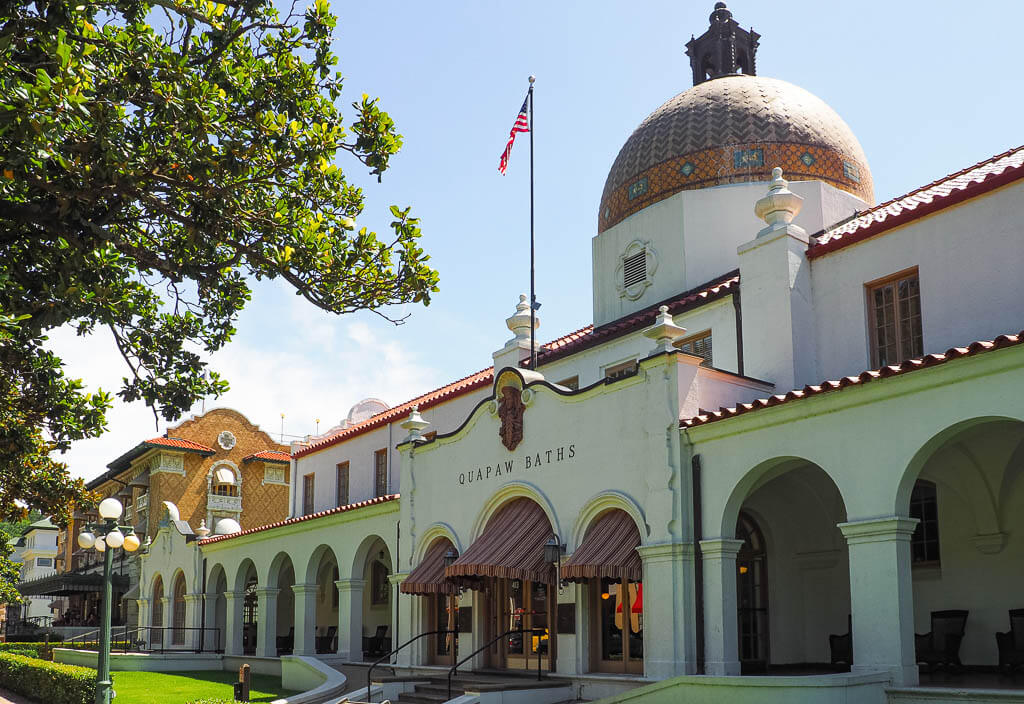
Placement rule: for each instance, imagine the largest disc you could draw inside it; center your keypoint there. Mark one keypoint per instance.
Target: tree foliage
(157, 158)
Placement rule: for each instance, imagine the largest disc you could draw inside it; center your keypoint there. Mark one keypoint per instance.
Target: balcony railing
(216, 502)
(142, 503)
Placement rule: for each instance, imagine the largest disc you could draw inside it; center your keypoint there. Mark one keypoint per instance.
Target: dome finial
(725, 49)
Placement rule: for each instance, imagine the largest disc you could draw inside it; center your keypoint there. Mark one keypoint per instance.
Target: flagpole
(533, 295)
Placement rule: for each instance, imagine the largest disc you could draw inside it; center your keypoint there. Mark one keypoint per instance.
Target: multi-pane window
(621, 371)
(698, 346)
(225, 490)
(895, 319)
(380, 472)
(572, 382)
(924, 544)
(307, 494)
(341, 488)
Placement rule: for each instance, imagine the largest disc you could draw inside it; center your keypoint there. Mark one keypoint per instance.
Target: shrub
(211, 701)
(35, 650)
(63, 684)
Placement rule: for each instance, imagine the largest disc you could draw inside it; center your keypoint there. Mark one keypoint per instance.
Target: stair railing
(387, 656)
(488, 644)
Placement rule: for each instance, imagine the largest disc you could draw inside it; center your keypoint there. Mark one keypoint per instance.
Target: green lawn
(181, 687)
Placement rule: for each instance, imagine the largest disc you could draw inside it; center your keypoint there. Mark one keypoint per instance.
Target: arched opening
(215, 634)
(515, 581)
(439, 600)
(178, 611)
(156, 616)
(966, 489)
(792, 576)
(323, 571)
(248, 584)
(282, 628)
(375, 568)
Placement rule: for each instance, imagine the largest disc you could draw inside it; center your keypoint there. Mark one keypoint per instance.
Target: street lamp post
(106, 533)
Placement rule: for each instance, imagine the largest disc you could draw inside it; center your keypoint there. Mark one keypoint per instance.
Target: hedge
(63, 684)
(38, 650)
(212, 701)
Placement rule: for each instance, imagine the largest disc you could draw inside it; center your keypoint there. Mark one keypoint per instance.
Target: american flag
(522, 124)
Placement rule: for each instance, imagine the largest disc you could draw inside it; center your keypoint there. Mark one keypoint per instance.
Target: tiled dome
(730, 130)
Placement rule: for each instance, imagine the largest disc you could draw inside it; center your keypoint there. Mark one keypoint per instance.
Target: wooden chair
(1011, 643)
(323, 643)
(286, 644)
(376, 644)
(842, 645)
(941, 645)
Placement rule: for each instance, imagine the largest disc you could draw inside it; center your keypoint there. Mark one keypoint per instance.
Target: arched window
(924, 506)
(223, 482)
(178, 606)
(156, 616)
(250, 614)
(752, 593)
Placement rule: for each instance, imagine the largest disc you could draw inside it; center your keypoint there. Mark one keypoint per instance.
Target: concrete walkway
(10, 698)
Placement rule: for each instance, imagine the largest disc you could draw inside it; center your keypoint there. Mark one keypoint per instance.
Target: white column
(305, 618)
(163, 637)
(143, 617)
(404, 625)
(669, 636)
(350, 618)
(721, 642)
(209, 641)
(266, 630)
(881, 596)
(233, 623)
(193, 620)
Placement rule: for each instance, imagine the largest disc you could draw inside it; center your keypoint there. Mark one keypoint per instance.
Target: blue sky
(928, 88)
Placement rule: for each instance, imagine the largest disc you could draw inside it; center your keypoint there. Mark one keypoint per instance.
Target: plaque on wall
(465, 619)
(566, 619)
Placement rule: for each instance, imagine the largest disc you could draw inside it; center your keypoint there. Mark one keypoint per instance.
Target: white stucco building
(791, 438)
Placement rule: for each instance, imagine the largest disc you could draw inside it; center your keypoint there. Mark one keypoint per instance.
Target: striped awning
(511, 547)
(608, 550)
(428, 577)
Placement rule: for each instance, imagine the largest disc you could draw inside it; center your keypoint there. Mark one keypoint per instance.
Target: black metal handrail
(387, 656)
(488, 644)
(132, 642)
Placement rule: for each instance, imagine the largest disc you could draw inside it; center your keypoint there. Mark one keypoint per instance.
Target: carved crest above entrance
(510, 411)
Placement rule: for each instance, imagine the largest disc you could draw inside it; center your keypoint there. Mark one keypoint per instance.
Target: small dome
(365, 409)
(733, 129)
(227, 526)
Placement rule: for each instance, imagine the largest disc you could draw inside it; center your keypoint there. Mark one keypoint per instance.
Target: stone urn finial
(664, 331)
(415, 424)
(779, 206)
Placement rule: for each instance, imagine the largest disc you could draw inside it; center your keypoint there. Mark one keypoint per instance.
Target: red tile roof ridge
(179, 442)
(299, 519)
(910, 365)
(957, 187)
(424, 401)
(589, 336)
(571, 342)
(268, 454)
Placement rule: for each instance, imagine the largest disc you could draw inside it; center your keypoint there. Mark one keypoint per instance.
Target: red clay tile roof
(590, 336)
(124, 461)
(846, 382)
(329, 512)
(983, 177)
(267, 456)
(445, 393)
(180, 443)
(567, 344)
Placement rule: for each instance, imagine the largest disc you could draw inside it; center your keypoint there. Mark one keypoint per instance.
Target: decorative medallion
(747, 158)
(851, 171)
(687, 169)
(638, 188)
(226, 439)
(807, 158)
(510, 410)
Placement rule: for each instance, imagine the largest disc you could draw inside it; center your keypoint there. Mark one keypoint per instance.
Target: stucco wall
(969, 259)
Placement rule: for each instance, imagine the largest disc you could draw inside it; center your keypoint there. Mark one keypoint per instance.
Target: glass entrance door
(752, 596)
(518, 604)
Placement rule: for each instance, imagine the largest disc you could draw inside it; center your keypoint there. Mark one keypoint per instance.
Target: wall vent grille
(634, 268)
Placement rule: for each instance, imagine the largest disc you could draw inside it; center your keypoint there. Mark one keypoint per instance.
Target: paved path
(11, 698)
